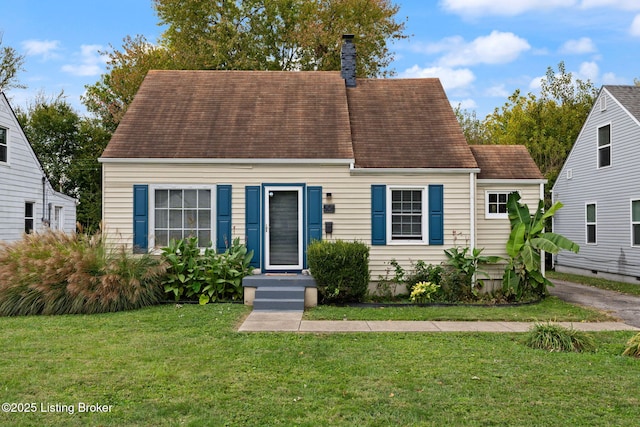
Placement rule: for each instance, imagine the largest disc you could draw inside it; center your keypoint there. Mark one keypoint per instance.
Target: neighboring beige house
(280, 158)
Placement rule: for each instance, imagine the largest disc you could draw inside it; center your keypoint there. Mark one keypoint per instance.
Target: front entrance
(283, 230)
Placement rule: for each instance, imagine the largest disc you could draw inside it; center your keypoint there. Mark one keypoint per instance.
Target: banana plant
(526, 240)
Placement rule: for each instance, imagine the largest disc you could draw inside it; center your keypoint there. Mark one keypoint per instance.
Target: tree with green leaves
(547, 124)
(299, 35)
(11, 63)
(68, 147)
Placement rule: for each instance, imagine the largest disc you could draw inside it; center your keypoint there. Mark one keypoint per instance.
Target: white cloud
(612, 4)
(90, 62)
(502, 7)
(634, 30)
(498, 91)
(588, 71)
(449, 77)
(496, 48)
(579, 46)
(464, 104)
(612, 79)
(45, 48)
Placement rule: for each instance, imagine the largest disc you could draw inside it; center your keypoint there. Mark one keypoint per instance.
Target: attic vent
(569, 173)
(603, 103)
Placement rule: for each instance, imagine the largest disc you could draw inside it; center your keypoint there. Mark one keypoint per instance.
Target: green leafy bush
(633, 347)
(557, 338)
(423, 272)
(340, 269)
(205, 276)
(423, 292)
(57, 273)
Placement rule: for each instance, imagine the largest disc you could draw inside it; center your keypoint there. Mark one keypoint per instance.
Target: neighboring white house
(280, 158)
(28, 203)
(599, 186)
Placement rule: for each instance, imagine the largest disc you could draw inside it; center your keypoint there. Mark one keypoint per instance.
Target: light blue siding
(21, 182)
(611, 189)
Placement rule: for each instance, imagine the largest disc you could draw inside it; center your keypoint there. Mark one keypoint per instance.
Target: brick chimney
(348, 60)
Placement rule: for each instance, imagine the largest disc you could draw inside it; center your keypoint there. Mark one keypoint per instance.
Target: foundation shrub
(205, 276)
(57, 273)
(340, 269)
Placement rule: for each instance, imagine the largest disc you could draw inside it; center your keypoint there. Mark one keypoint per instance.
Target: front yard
(170, 365)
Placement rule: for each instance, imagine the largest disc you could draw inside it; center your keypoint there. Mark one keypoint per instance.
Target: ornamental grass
(58, 273)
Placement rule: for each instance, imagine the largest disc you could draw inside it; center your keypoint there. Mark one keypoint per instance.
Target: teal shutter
(378, 214)
(314, 214)
(140, 219)
(223, 218)
(436, 217)
(314, 217)
(252, 223)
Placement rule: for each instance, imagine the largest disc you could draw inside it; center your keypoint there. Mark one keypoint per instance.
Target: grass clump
(556, 338)
(633, 347)
(57, 273)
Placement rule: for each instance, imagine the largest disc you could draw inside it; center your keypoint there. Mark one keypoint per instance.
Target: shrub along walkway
(291, 321)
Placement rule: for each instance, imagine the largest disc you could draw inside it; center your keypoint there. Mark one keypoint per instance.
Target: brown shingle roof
(236, 114)
(405, 123)
(505, 162)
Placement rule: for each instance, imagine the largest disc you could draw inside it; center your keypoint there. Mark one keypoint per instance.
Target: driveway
(625, 307)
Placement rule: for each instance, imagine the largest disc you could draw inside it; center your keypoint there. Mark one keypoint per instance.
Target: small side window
(590, 221)
(28, 217)
(3, 145)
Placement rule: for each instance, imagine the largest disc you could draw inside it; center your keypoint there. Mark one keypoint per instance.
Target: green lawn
(170, 366)
(550, 309)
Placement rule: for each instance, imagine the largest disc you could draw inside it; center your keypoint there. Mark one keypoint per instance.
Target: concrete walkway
(291, 321)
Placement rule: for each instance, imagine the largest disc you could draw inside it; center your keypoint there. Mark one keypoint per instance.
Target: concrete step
(280, 292)
(281, 298)
(278, 304)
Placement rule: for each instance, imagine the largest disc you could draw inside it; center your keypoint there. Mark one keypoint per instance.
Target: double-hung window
(28, 217)
(590, 217)
(180, 213)
(407, 219)
(604, 146)
(635, 222)
(3, 145)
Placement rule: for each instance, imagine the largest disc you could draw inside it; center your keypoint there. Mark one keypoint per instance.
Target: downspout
(542, 253)
(44, 185)
(472, 210)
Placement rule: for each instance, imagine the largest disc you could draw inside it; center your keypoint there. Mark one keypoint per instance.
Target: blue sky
(482, 50)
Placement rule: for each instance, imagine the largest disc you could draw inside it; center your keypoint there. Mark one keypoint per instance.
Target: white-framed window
(178, 212)
(591, 223)
(29, 216)
(58, 218)
(604, 146)
(407, 221)
(3, 145)
(496, 204)
(635, 223)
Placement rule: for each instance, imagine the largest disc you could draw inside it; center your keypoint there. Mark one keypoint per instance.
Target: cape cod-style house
(28, 202)
(599, 185)
(280, 158)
